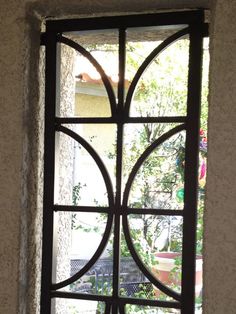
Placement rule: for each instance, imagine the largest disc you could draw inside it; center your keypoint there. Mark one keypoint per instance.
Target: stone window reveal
(94, 122)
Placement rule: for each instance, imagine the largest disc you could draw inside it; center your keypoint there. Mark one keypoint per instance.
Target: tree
(159, 183)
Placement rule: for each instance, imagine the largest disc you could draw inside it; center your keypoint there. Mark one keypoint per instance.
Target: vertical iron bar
(121, 83)
(108, 308)
(191, 168)
(56, 174)
(120, 108)
(122, 309)
(49, 158)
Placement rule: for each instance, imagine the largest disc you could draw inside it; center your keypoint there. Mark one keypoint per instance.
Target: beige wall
(21, 155)
(220, 215)
(85, 104)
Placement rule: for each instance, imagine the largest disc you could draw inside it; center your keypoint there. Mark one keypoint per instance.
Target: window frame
(54, 29)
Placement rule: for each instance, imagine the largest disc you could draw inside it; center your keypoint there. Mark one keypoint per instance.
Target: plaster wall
(21, 151)
(220, 213)
(64, 172)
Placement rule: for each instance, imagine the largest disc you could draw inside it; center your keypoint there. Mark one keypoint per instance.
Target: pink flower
(202, 133)
(202, 170)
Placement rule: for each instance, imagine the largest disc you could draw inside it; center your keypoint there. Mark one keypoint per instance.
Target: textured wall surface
(59, 8)
(220, 215)
(64, 172)
(12, 65)
(21, 152)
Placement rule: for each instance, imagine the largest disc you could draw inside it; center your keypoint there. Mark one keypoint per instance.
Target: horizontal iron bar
(73, 120)
(173, 119)
(80, 296)
(167, 304)
(72, 208)
(153, 211)
(137, 20)
(122, 300)
(205, 34)
(124, 210)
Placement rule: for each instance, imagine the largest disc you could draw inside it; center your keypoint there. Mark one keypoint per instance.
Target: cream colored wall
(99, 107)
(220, 214)
(87, 104)
(21, 147)
(13, 144)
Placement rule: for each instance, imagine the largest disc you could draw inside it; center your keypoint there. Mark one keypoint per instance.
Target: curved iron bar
(147, 62)
(128, 238)
(96, 158)
(98, 67)
(93, 259)
(145, 154)
(91, 262)
(108, 228)
(142, 267)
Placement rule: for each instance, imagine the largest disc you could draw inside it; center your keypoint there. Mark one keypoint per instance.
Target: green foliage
(76, 224)
(75, 199)
(161, 91)
(76, 193)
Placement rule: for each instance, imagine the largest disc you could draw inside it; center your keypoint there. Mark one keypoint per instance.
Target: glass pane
(205, 82)
(61, 268)
(98, 280)
(66, 81)
(162, 89)
(79, 181)
(202, 174)
(90, 94)
(103, 46)
(102, 137)
(133, 283)
(198, 284)
(159, 182)
(137, 138)
(72, 306)
(141, 41)
(140, 309)
(82, 89)
(77, 237)
(158, 242)
(64, 182)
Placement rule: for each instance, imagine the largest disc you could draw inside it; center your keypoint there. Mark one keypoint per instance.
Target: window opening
(121, 178)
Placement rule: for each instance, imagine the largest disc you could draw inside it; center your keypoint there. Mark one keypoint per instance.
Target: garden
(158, 182)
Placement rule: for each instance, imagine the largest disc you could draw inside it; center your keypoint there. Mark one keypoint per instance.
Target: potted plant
(168, 271)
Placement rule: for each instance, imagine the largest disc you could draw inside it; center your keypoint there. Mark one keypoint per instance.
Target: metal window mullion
(191, 169)
(49, 160)
(120, 108)
(109, 299)
(114, 22)
(112, 120)
(81, 209)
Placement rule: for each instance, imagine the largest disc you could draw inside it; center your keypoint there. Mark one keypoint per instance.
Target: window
(121, 163)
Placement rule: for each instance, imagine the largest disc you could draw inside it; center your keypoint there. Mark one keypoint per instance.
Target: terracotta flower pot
(164, 271)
